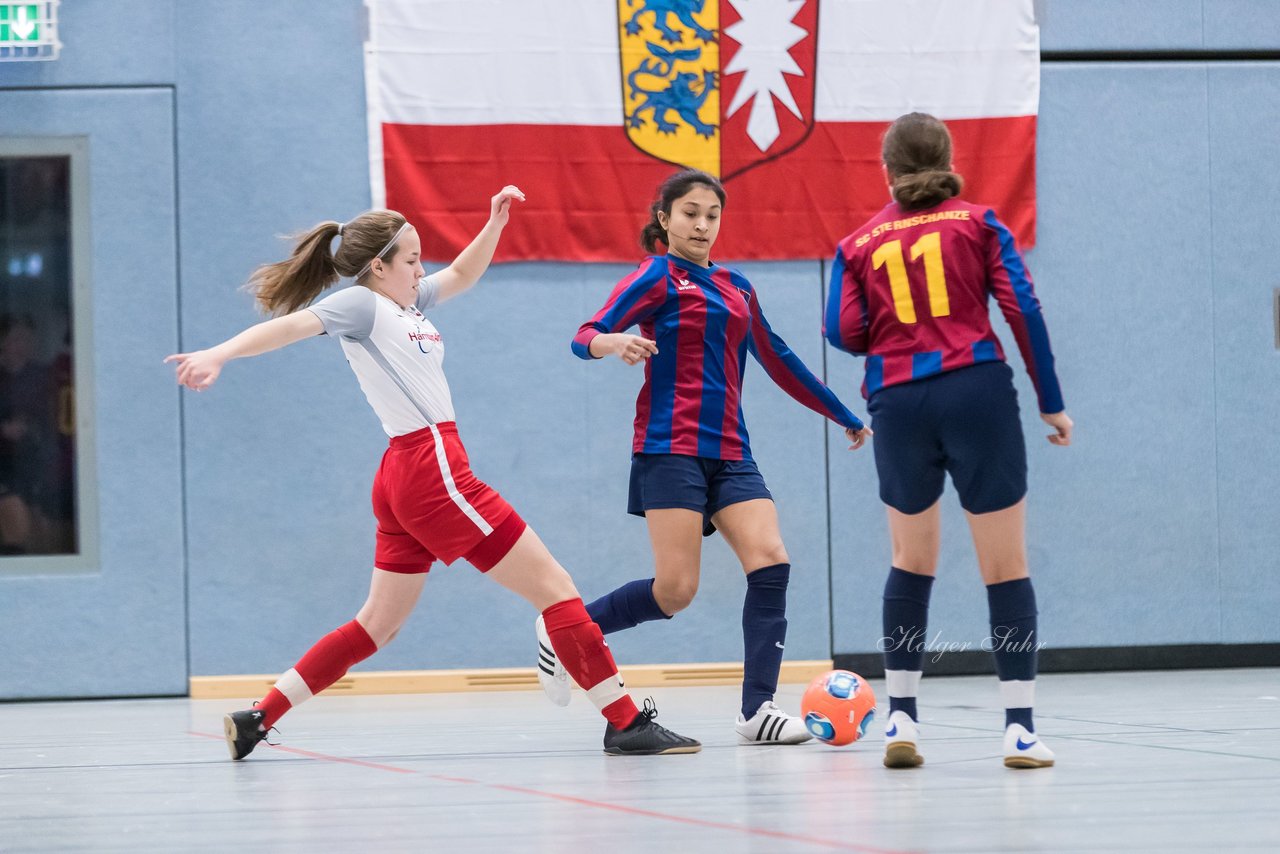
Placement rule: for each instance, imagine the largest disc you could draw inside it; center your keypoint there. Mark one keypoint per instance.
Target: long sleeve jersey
(910, 289)
(704, 321)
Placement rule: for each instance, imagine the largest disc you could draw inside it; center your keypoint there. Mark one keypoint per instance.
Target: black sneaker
(645, 737)
(243, 732)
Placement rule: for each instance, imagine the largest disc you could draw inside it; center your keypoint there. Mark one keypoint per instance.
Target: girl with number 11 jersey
(909, 290)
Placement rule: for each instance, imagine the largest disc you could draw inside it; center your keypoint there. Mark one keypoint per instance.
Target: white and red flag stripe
(587, 104)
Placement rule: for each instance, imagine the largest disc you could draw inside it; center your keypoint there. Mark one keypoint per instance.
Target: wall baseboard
(496, 679)
(1092, 659)
(868, 664)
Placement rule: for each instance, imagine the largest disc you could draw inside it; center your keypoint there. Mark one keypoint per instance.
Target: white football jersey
(397, 355)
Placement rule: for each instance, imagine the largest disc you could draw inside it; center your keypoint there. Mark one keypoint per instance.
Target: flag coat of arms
(587, 105)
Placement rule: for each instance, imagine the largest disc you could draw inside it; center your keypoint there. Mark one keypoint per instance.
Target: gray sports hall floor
(1163, 761)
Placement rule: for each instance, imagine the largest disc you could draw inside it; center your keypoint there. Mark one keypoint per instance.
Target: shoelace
(650, 710)
(266, 735)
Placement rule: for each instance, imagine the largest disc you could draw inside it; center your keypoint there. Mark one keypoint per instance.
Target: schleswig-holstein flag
(587, 105)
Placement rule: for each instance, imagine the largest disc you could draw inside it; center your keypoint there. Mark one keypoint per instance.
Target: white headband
(384, 251)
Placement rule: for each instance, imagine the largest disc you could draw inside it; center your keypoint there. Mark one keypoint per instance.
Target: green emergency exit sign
(19, 22)
(29, 30)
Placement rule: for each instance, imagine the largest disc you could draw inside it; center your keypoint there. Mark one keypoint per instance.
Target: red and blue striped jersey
(704, 321)
(910, 290)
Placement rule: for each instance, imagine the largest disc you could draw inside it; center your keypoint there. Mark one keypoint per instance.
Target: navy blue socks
(1014, 643)
(764, 625)
(906, 619)
(629, 605)
(764, 634)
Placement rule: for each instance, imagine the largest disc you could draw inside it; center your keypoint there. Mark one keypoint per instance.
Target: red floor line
(740, 828)
(325, 757)
(449, 779)
(586, 802)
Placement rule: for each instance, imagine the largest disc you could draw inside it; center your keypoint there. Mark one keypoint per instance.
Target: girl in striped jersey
(428, 504)
(691, 470)
(909, 290)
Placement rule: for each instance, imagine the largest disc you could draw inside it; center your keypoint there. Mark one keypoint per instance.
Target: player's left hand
(500, 205)
(857, 438)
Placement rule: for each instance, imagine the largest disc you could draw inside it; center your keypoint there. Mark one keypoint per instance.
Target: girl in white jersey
(428, 504)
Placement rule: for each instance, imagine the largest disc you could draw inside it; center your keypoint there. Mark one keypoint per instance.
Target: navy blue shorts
(963, 422)
(702, 484)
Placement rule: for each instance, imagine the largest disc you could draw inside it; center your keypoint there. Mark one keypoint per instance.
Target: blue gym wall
(236, 523)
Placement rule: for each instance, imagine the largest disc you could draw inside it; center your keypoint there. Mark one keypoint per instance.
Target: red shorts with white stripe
(431, 507)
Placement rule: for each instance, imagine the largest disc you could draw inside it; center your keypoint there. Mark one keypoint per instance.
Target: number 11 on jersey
(889, 256)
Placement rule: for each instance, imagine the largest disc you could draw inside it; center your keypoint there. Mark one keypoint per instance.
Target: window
(41, 461)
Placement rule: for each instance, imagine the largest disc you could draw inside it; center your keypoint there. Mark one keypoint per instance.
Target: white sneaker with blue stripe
(901, 742)
(1024, 749)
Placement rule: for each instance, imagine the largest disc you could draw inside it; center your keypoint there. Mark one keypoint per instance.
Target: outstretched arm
(471, 263)
(199, 369)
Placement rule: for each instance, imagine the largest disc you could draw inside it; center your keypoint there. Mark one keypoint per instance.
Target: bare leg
(751, 530)
(1000, 540)
(392, 597)
(916, 539)
(676, 537)
(530, 571)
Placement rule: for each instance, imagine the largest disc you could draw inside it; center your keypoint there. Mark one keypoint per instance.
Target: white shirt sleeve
(348, 312)
(428, 292)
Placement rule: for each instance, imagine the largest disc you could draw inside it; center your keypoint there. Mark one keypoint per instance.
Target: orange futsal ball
(837, 707)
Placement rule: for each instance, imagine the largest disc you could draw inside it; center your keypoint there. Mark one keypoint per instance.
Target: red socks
(325, 663)
(576, 639)
(581, 649)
